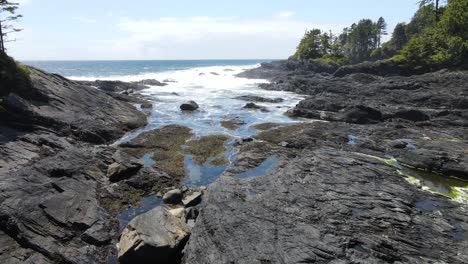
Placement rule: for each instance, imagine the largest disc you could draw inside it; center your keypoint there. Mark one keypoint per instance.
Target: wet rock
(151, 82)
(189, 106)
(115, 86)
(147, 105)
(155, 235)
(173, 197)
(214, 73)
(192, 199)
(232, 124)
(253, 98)
(442, 156)
(255, 107)
(242, 141)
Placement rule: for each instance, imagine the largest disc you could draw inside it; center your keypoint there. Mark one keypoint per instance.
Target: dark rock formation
(151, 82)
(324, 202)
(57, 204)
(114, 86)
(253, 98)
(189, 106)
(255, 107)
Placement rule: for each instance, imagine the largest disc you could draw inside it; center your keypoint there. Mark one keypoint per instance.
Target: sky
(185, 29)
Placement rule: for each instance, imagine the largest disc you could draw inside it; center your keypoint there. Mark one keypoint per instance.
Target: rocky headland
(381, 178)
(375, 172)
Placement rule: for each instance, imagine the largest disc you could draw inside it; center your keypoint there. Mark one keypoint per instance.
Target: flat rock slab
(156, 236)
(327, 206)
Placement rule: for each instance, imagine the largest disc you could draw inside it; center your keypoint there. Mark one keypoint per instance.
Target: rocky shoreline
(376, 173)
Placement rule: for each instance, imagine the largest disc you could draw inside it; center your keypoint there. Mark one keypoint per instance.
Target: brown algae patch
(266, 126)
(206, 147)
(167, 144)
(233, 124)
(280, 134)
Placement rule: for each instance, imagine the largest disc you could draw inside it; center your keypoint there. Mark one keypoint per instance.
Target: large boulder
(154, 237)
(189, 106)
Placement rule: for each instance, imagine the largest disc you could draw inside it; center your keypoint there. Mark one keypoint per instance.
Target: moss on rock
(204, 148)
(167, 144)
(279, 134)
(232, 124)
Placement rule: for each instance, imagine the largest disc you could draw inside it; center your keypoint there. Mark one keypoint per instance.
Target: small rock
(147, 105)
(255, 107)
(173, 197)
(399, 144)
(284, 144)
(189, 106)
(192, 199)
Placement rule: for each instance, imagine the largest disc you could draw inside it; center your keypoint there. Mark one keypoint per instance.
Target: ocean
(119, 69)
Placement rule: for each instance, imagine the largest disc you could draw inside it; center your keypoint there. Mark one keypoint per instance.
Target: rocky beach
(365, 168)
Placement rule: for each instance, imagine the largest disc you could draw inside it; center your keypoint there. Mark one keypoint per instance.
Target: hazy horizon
(202, 30)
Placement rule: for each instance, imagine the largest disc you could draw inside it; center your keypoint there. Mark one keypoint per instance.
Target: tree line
(436, 37)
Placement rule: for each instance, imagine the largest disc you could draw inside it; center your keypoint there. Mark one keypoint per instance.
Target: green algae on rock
(449, 187)
(266, 126)
(233, 124)
(277, 135)
(167, 144)
(206, 147)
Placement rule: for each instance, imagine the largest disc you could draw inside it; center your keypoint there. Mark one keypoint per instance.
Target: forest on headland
(435, 38)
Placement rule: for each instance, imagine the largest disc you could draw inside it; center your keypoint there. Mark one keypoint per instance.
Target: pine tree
(6, 26)
(381, 28)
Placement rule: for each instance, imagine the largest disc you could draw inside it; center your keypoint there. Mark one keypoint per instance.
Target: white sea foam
(214, 89)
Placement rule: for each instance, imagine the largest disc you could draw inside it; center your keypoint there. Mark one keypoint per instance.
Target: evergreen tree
(6, 26)
(381, 28)
(399, 37)
(310, 46)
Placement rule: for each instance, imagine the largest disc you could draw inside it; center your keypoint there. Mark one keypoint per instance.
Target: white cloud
(286, 14)
(84, 20)
(212, 37)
